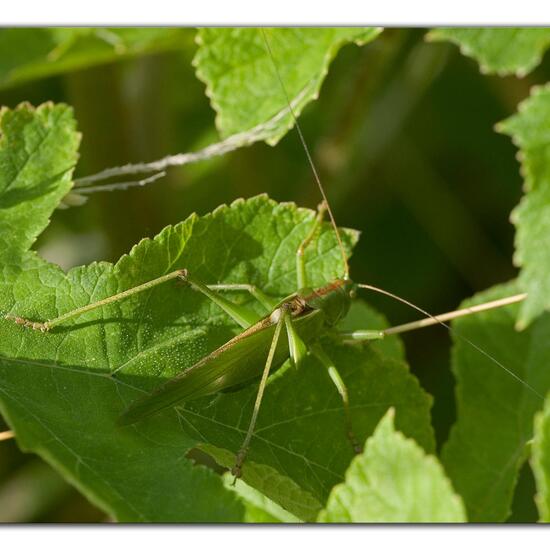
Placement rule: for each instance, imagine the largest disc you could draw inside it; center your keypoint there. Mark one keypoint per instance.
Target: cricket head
(334, 299)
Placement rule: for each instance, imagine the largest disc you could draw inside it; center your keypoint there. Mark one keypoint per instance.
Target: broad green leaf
(30, 53)
(241, 81)
(506, 50)
(62, 391)
(486, 448)
(393, 481)
(540, 461)
(38, 150)
(259, 509)
(530, 130)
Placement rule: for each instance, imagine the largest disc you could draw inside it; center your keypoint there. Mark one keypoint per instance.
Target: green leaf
(503, 51)
(259, 509)
(63, 391)
(393, 481)
(487, 445)
(241, 81)
(530, 131)
(540, 461)
(30, 53)
(38, 150)
(275, 486)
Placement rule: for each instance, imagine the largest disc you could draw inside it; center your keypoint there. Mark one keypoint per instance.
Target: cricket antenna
(308, 155)
(436, 320)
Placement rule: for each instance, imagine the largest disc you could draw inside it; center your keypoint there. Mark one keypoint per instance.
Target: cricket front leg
(356, 336)
(242, 315)
(334, 375)
(45, 326)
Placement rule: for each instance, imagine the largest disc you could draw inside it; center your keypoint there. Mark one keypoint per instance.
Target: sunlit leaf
(38, 150)
(393, 481)
(530, 129)
(231, 59)
(259, 509)
(500, 50)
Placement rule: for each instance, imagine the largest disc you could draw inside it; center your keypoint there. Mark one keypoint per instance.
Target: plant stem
(4, 436)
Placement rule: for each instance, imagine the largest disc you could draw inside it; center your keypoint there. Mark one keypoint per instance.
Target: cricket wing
(240, 360)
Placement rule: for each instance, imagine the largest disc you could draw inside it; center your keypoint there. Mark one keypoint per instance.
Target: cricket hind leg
(300, 253)
(240, 314)
(342, 389)
(243, 451)
(45, 326)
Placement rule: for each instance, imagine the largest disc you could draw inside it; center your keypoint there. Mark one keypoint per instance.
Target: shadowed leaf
(30, 53)
(486, 448)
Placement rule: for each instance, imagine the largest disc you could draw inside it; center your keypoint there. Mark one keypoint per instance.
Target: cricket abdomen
(334, 299)
(238, 361)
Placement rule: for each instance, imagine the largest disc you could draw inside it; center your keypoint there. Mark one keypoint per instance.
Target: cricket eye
(352, 293)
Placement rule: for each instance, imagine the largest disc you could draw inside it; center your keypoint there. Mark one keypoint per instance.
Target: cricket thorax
(333, 299)
(295, 306)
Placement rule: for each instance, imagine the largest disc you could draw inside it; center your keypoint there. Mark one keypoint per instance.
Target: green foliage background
(403, 134)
